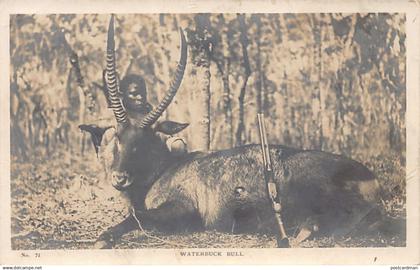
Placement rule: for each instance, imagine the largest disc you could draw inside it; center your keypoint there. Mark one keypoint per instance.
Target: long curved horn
(111, 76)
(152, 116)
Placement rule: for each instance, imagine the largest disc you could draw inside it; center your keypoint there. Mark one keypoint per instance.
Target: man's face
(134, 95)
(135, 99)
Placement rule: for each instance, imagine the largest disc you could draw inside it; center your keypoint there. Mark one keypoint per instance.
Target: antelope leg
(170, 217)
(108, 238)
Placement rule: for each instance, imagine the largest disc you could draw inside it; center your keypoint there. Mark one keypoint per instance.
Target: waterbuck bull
(224, 190)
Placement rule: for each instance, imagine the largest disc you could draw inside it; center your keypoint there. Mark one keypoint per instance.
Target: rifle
(282, 240)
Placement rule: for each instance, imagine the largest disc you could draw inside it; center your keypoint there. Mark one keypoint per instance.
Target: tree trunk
(240, 131)
(227, 103)
(223, 67)
(82, 110)
(259, 80)
(200, 49)
(318, 101)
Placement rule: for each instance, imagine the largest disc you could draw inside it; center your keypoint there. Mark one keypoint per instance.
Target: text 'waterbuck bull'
(320, 192)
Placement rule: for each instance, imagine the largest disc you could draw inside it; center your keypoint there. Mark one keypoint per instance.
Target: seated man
(134, 99)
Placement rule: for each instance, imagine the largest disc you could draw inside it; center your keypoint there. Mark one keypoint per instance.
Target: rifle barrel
(264, 142)
(262, 137)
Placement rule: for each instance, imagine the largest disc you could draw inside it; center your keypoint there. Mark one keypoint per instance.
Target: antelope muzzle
(121, 180)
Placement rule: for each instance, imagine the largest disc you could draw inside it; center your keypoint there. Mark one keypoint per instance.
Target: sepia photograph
(209, 133)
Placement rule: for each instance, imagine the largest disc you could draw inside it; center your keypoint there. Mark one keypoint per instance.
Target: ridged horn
(152, 116)
(111, 77)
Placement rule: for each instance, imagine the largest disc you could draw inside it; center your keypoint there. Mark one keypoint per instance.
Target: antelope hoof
(101, 244)
(105, 241)
(303, 234)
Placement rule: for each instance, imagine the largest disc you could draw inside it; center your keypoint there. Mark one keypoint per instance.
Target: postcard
(235, 132)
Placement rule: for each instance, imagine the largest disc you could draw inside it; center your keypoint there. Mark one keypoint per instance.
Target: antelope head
(131, 149)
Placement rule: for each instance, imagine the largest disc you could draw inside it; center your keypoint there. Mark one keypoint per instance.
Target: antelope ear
(170, 127)
(96, 134)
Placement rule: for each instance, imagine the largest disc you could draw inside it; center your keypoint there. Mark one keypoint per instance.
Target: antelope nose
(120, 180)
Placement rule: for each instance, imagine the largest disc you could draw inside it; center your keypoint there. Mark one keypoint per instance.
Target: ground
(65, 204)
